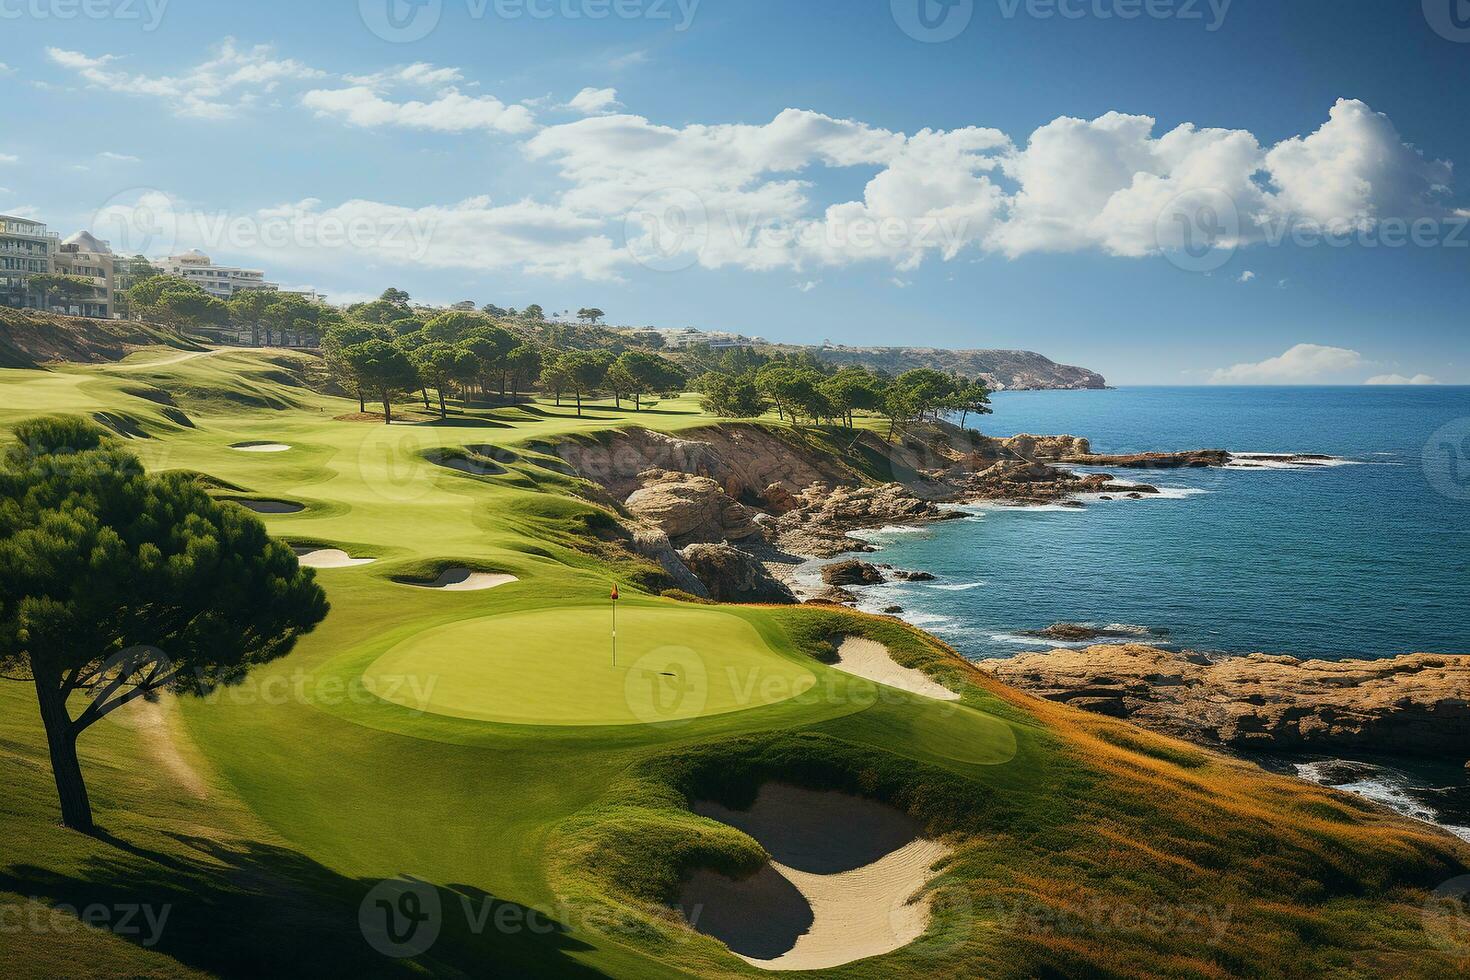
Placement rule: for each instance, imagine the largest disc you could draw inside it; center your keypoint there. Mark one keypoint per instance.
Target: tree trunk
(579, 403)
(61, 738)
(425, 391)
(387, 409)
(443, 412)
(361, 403)
(637, 402)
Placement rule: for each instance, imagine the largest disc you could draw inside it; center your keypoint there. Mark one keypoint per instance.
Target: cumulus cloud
(595, 101)
(9, 158)
(1246, 276)
(419, 73)
(1399, 379)
(451, 111)
(1303, 363)
(234, 77)
(119, 157)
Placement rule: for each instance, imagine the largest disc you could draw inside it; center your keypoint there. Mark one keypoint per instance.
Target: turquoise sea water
(1367, 557)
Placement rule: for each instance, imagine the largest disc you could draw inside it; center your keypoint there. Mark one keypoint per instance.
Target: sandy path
(165, 361)
(870, 659)
(151, 720)
(840, 886)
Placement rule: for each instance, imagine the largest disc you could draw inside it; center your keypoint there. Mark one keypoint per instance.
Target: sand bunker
(870, 659)
(463, 580)
(261, 447)
(329, 558)
(841, 885)
(269, 506)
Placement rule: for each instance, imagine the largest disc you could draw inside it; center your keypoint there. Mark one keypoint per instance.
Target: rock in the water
(851, 573)
(903, 576)
(820, 526)
(732, 575)
(1412, 705)
(892, 610)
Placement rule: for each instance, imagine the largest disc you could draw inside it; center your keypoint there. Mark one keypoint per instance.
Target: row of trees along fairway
(801, 389)
(117, 585)
(386, 350)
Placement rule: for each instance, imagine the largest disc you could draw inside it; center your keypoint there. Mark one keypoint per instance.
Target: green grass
(555, 667)
(528, 778)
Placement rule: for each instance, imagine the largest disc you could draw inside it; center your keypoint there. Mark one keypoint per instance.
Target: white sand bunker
(270, 506)
(870, 659)
(843, 884)
(329, 558)
(463, 580)
(261, 447)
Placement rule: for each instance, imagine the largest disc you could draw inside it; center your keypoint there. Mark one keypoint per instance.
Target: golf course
(463, 738)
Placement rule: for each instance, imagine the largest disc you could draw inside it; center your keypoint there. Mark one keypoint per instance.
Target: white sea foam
(1264, 461)
(954, 586)
(1381, 790)
(890, 529)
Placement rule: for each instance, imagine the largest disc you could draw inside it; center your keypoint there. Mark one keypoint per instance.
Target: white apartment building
(220, 281)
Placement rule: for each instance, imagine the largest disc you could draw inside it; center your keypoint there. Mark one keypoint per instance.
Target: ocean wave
(955, 587)
(1264, 461)
(891, 529)
(1381, 789)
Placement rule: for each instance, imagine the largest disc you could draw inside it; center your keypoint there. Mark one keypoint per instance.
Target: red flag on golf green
(615, 593)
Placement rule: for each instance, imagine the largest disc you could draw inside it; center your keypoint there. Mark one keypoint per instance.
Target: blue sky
(799, 170)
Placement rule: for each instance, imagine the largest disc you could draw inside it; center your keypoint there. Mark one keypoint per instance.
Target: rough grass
(1085, 846)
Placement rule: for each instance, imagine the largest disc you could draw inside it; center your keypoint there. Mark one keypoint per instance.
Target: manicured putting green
(554, 667)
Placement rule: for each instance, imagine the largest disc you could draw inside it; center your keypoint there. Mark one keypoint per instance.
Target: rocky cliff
(1411, 705)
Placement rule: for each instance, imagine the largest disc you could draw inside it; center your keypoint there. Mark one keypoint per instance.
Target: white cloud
(119, 157)
(627, 60)
(808, 286)
(1399, 379)
(6, 69)
(1303, 363)
(450, 112)
(1246, 276)
(217, 88)
(595, 101)
(9, 158)
(419, 73)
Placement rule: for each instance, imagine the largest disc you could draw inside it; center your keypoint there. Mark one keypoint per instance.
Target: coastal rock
(1411, 705)
(1030, 447)
(1193, 459)
(902, 576)
(1084, 633)
(691, 509)
(821, 525)
(851, 573)
(650, 542)
(732, 575)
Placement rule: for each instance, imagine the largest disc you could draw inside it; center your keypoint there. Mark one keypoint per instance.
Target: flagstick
(615, 625)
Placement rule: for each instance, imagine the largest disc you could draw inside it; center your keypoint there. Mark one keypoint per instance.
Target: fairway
(554, 667)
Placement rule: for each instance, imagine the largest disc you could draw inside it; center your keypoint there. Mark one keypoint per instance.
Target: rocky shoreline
(733, 512)
(1414, 705)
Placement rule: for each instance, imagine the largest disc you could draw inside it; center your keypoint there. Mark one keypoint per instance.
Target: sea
(1364, 554)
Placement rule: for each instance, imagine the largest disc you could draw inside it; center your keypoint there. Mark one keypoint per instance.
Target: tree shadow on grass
(463, 422)
(256, 909)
